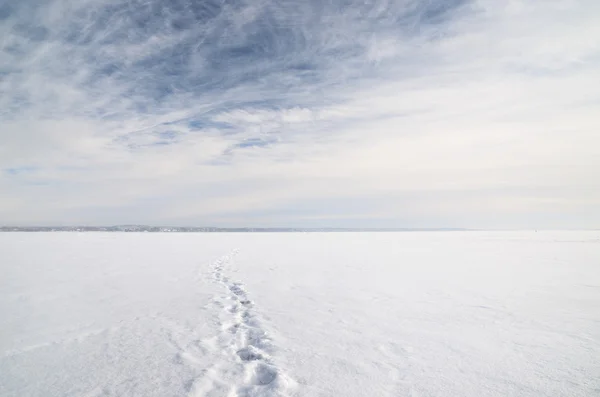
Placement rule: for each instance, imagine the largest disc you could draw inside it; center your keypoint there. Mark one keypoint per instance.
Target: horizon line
(166, 228)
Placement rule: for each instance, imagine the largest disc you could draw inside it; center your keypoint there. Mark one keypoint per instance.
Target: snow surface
(300, 314)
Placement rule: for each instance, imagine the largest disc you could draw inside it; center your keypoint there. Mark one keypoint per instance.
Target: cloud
(421, 113)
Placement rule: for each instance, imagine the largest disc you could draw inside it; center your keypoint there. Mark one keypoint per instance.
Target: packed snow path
(245, 367)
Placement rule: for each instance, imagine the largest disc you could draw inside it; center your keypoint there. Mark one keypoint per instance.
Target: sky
(317, 113)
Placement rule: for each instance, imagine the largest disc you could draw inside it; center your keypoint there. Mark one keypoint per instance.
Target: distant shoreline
(182, 229)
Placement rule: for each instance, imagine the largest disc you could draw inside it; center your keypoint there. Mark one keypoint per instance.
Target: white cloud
(486, 119)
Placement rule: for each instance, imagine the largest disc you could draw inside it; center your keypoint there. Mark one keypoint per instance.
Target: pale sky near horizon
(338, 113)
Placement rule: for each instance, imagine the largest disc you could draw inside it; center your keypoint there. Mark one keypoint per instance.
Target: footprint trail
(246, 367)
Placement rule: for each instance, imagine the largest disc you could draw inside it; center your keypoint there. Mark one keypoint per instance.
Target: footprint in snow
(264, 374)
(249, 354)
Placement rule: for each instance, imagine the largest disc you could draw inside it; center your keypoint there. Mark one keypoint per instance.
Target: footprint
(237, 289)
(258, 338)
(264, 374)
(249, 319)
(249, 354)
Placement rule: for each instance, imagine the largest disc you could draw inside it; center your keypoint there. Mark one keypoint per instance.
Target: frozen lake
(449, 314)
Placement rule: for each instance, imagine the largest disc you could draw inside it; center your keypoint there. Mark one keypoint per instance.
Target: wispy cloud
(464, 113)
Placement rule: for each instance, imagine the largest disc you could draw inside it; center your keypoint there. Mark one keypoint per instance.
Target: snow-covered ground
(461, 314)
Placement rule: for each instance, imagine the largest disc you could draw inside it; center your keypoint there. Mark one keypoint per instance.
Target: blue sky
(381, 113)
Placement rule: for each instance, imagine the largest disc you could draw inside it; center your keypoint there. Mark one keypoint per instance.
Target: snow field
(300, 314)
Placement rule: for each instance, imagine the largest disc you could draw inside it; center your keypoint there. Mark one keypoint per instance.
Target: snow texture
(453, 314)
